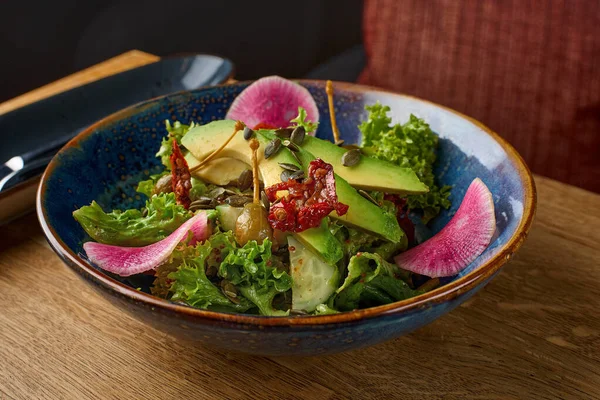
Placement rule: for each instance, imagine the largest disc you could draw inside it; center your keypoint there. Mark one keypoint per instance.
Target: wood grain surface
(532, 333)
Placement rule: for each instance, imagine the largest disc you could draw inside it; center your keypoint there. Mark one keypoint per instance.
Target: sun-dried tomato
(264, 125)
(181, 179)
(307, 202)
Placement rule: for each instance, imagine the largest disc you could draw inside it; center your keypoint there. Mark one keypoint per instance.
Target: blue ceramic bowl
(105, 162)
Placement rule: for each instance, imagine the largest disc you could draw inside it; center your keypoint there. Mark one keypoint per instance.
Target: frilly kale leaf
(411, 145)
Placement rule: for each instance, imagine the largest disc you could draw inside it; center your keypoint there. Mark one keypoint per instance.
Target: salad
(254, 214)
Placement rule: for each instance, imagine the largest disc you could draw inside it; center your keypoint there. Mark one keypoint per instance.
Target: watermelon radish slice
(462, 240)
(126, 261)
(272, 102)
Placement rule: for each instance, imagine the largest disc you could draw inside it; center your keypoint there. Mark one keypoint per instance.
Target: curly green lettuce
(158, 219)
(191, 285)
(372, 281)
(300, 120)
(248, 269)
(411, 145)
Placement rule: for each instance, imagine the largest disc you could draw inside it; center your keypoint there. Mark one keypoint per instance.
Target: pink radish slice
(272, 101)
(462, 240)
(126, 261)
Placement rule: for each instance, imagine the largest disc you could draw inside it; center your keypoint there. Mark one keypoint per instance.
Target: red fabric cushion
(528, 70)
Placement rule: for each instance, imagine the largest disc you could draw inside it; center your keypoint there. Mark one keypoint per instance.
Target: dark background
(44, 41)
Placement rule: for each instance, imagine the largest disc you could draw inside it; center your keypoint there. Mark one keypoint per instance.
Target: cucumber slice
(228, 215)
(314, 280)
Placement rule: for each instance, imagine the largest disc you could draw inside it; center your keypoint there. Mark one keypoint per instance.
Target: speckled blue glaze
(106, 162)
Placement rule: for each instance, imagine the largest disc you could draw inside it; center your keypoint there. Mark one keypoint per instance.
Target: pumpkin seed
(202, 200)
(244, 181)
(290, 145)
(211, 271)
(351, 158)
(237, 201)
(368, 197)
(248, 133)
(297, 135)
(285, 175)
(297, 175)
(272, 148)
(265, 201)
(289, 167)
(229, 290)
(296, 158)
(163, 185)
(284, 133)
(216, 193)
(200, 206)
(298, 312)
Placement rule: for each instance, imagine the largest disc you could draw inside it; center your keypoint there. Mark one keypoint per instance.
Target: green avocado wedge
(202, 140)
(370, 173)
(361, 212)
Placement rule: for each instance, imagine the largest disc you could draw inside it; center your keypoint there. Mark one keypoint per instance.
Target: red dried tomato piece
(264, 125)
(307, 202)
(181, 179)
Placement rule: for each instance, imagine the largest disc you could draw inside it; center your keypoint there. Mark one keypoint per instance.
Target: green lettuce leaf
(162, 216)
(249, 269)
(412, 145)
(372, 281)
(192, 286)
(300, 120)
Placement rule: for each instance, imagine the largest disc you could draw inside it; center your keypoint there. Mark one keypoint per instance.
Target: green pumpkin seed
(351, 157)
(216, 193)
(297, 175)
(368, 197)
(248, 133)
(298, 312)
(290, 145)
(244, 181)
(289, 167)
(296, 157)
(272, 148)
(284, 133)
(297, 135)
(265, 201)
(238, 201)
(285, 175)
(211, 271)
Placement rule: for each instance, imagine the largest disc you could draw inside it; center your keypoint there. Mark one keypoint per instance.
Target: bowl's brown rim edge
(439, 295)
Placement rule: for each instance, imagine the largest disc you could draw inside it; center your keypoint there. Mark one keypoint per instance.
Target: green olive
(252, 224)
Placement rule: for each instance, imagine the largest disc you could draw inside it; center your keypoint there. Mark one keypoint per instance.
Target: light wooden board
(533, 333)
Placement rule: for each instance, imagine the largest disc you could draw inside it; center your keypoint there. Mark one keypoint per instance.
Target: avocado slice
(204, 139)
(361, 212)
(370, 173)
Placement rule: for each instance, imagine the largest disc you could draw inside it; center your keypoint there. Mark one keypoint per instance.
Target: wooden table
(534, 332)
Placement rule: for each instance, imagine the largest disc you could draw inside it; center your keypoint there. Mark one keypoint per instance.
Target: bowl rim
(441, 294)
